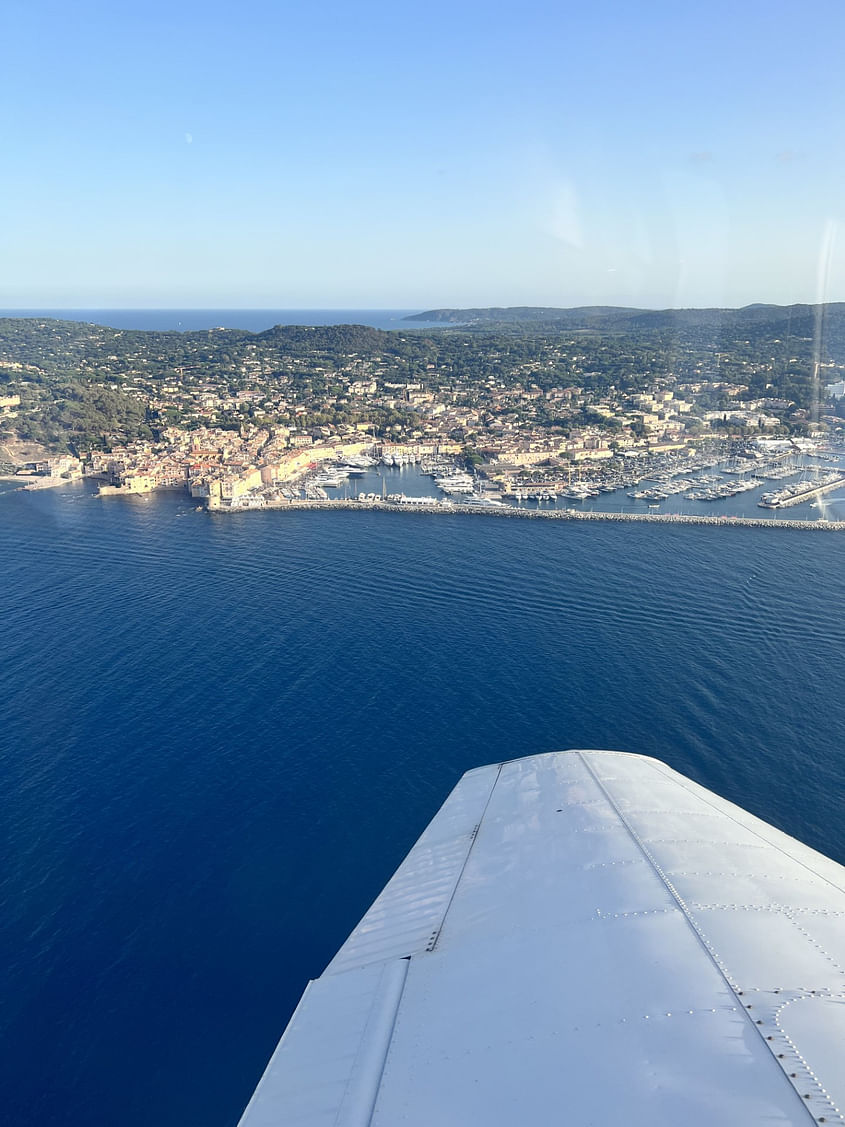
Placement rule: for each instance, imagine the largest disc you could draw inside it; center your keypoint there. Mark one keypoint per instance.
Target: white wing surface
(581, 937)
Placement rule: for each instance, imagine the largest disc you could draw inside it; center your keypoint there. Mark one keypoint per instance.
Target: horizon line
(386, 308)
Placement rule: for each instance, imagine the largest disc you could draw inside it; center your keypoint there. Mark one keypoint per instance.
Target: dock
(787, 499)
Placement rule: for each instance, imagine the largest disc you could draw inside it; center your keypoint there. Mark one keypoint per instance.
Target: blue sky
(397, 156)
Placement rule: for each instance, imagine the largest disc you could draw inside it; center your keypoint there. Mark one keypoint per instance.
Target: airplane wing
(580, 937)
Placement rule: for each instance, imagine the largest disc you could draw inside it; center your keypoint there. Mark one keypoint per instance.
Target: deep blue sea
(220, 734)
(253, 320)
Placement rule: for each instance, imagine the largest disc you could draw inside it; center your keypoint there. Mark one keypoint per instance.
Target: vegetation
(82, 416)
(83, 384)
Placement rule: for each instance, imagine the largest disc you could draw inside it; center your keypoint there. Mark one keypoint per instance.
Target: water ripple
(219, 736)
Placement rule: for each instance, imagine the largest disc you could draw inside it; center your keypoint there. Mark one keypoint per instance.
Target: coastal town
(243, 421)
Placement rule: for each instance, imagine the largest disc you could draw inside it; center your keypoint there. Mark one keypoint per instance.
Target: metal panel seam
(750, 829)
(433, 942)
(811, 939)
(695, 928)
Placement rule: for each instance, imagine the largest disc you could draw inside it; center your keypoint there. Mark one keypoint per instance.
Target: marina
(802, 491)
(698, 489)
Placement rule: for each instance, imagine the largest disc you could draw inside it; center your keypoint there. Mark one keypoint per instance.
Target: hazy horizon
(413, 310)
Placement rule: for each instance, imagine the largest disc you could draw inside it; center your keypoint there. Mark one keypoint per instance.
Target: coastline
(507, 511)
(538, 514)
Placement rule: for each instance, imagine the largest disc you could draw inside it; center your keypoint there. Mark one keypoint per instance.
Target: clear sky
(366, 154)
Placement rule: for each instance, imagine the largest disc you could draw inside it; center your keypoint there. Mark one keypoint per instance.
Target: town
(237, 418)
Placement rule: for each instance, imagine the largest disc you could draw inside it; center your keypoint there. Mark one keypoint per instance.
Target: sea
(220, 734)
(251, 320)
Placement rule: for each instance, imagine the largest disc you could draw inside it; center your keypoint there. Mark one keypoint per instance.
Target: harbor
(686, 490)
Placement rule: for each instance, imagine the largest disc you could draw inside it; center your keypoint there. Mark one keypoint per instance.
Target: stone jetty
(510, 511)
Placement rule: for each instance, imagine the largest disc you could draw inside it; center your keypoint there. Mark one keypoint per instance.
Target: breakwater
(511, 511)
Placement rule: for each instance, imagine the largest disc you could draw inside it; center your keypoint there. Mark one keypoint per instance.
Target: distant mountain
(799, 320)
(514, 313)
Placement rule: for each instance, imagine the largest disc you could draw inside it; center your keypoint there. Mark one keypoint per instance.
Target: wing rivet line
(687, 909)
(472, 839)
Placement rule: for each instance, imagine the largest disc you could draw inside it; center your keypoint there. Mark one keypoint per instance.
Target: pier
(787, 499)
